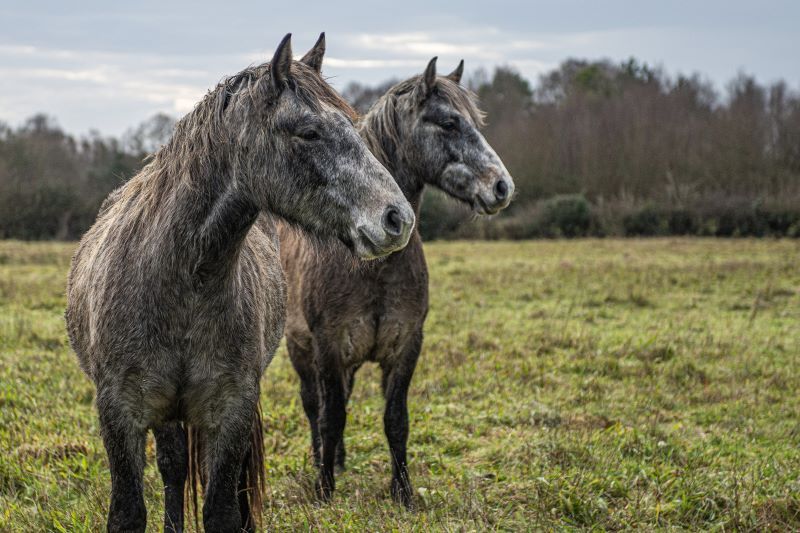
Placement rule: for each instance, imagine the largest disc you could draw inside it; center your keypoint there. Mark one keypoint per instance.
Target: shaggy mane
(379, 127)
(199, 137)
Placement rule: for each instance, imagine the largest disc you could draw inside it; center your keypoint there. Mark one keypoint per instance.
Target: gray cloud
(110, 66)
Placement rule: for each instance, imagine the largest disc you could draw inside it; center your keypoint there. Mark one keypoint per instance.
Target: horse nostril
(501, 190)
(392, 221)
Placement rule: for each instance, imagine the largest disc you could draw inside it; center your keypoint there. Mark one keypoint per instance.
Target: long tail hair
(253, 473)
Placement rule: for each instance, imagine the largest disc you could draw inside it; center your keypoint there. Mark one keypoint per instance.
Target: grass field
(602, 383)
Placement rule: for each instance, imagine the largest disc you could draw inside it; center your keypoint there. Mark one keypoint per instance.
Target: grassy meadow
(609, 384)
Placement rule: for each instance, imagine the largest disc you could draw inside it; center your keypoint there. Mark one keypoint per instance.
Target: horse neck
(226, 220)
(209, 214)
(409, 182)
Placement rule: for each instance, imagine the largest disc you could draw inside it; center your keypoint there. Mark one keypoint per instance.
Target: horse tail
(254, 474)
(196, 470)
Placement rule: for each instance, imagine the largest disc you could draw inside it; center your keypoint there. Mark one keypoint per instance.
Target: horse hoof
(324, 489)
(403, 495)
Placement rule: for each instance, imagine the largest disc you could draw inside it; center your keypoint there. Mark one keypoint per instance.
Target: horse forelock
(306, 83)
(457, 96)
(315, 91)
(380, 127)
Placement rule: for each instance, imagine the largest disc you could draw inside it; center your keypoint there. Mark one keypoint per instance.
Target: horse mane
(380, 128)
(200, 137)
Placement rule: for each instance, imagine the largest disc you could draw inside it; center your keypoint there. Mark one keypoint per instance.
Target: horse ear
(281, 61)
(456, 74)
(313, 57)
(429, 76)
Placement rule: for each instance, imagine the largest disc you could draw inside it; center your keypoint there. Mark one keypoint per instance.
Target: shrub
(647, 221)
(567, 215)
(574, 216)
(780, 221)
(682, 222)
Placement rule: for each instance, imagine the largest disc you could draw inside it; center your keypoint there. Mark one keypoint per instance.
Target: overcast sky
(108, 65)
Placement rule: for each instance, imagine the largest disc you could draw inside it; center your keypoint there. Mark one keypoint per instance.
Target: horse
(425, 131)
(176, 297)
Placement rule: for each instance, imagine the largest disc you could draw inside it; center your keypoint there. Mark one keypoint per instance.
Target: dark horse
(176, 299)
(425, 130)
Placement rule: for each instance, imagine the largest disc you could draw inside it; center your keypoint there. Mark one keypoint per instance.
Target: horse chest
(373, 316)
(356, 340)
(380, 338)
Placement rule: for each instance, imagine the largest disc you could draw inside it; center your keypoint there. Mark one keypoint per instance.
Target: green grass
(592, 384)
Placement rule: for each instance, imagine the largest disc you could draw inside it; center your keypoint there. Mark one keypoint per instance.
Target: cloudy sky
(109, 65)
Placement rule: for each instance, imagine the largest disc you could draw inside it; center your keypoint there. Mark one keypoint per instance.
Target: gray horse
(425, 130)
(176, 300)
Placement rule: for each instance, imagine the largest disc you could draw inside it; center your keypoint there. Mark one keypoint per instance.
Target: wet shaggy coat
(150, 319)
(341, 314)
(176, 297)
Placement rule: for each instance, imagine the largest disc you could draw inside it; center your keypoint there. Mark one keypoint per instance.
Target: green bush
(574, 216)
(567, 215)
(682, 222)
(781, 221)
(648, 221)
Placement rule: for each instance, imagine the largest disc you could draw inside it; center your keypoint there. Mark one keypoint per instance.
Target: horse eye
(309, 135)
(448, 125)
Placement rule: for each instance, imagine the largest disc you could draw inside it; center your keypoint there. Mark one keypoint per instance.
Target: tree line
(52, 184)
(595, 148)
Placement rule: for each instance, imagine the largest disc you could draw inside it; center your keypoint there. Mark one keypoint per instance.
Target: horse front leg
(303, 362)
(172, 457)
(124, 440)
(341, 454)
(227, 441)
(396, 380)
(332, 416)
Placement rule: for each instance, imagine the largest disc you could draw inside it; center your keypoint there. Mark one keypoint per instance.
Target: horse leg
(303, 363)
(341, 454)
(124, 441)
(226, 446)
(396, 380)
(332, 417)
(172, 457)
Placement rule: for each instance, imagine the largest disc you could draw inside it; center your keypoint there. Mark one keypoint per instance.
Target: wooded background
(595, 148)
